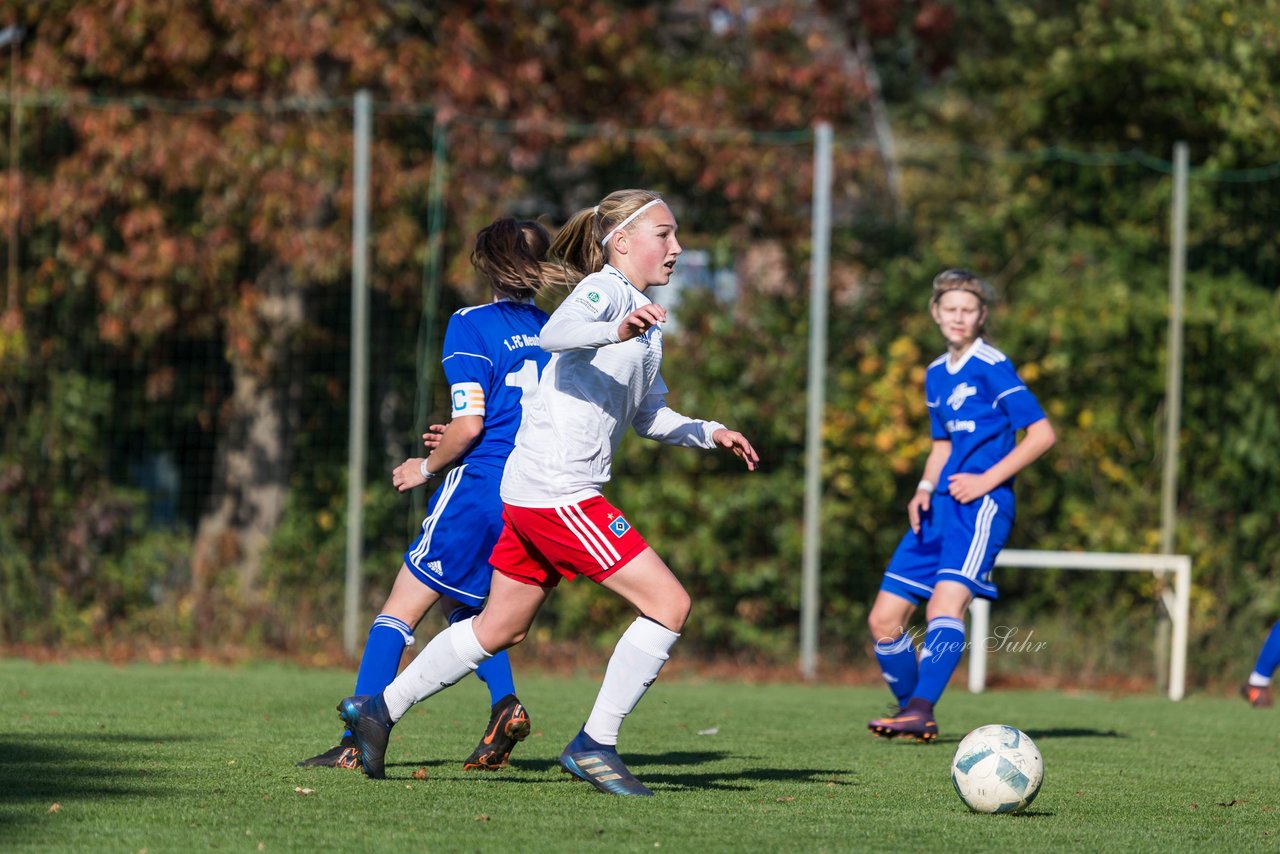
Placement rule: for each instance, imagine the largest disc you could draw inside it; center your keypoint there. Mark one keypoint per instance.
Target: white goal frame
(1178, 604)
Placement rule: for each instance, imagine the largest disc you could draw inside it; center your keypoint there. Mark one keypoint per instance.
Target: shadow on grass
(1073, 732)
(48, 769)
(742, 780)
(542, 765)
(725, 780)
(1036, 735)
(729, 779)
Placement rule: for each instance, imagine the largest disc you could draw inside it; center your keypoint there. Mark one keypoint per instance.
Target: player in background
(492, 360)
(1257, 690)
(963, 508)
(602, 379)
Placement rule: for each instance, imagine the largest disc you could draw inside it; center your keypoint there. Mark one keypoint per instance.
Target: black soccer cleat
(342, 755)
(508, 724)
(370, 724)
(915, 720)
(602, 767)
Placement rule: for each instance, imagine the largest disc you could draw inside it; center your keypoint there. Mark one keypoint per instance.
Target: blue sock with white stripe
(898, 666)
(1268, 659)
(380, 661)
(495, 672)
(939, 656)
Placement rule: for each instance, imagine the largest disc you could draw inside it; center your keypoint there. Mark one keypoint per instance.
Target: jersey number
(525, 379)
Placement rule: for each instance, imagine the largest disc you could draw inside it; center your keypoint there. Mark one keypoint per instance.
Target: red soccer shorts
(541, 545)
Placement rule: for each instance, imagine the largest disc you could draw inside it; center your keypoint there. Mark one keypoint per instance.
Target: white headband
(627, 221)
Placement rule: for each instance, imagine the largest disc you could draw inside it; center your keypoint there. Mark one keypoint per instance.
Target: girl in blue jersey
(963, 508)
(492, 359)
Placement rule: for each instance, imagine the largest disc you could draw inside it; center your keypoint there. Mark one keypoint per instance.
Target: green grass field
(163, 758)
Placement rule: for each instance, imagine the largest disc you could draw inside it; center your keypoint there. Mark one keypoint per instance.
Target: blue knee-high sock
(898, 666)
(943, 644)
(388, 636)
(494, 672)
(1269, 656)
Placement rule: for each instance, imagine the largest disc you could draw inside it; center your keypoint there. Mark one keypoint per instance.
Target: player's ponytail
(580, 248)
(574, 252)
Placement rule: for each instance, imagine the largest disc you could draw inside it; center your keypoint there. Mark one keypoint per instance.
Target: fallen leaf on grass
(302, 791)
(55, 808)
(709, 731)
(786, 800)
(420, 774)
(482, 817)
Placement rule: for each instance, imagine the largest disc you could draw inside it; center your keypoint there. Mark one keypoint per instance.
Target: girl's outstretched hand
(966, 488)
(408, 475)
(431, 438)
(732, 440)
(638, 322)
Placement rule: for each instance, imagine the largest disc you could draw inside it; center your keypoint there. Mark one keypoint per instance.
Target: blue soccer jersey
(978, 404)
(492, 359)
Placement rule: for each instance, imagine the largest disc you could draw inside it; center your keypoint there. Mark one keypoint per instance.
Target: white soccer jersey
(591, 391)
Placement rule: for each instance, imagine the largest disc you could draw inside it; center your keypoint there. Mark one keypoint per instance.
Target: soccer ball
(997, 768)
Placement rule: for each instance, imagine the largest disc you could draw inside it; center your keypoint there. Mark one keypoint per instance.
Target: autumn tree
(186, 188)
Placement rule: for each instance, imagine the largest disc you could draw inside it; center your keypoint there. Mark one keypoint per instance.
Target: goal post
(1178, 604)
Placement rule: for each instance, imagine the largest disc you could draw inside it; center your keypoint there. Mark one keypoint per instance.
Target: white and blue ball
(997, 769)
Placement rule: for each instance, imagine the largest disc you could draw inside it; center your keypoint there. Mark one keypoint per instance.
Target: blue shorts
(957, 542)
(464, 519)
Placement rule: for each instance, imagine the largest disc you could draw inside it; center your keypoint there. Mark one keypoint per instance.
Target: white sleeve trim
(464, 353)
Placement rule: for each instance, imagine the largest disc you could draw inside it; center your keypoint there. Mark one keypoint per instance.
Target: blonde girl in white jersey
(603, 378)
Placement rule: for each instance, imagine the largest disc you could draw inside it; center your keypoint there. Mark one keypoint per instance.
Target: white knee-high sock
(633, 667)
(451, 655)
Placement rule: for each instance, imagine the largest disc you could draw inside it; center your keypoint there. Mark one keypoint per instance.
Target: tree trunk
(252, 461)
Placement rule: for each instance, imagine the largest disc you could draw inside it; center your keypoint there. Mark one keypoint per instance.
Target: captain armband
(468, 399)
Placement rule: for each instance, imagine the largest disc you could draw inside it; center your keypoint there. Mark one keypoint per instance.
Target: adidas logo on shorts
(434, 566)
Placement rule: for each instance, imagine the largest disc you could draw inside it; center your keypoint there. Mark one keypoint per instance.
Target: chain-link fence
(175, 358)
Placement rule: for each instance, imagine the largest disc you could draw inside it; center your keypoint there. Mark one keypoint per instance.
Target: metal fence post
(1173, 390)
(359, 422)
(818, 264)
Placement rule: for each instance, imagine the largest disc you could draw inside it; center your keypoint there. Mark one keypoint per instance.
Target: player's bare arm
(1039, 438)
(922, 500)
(460, 434)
